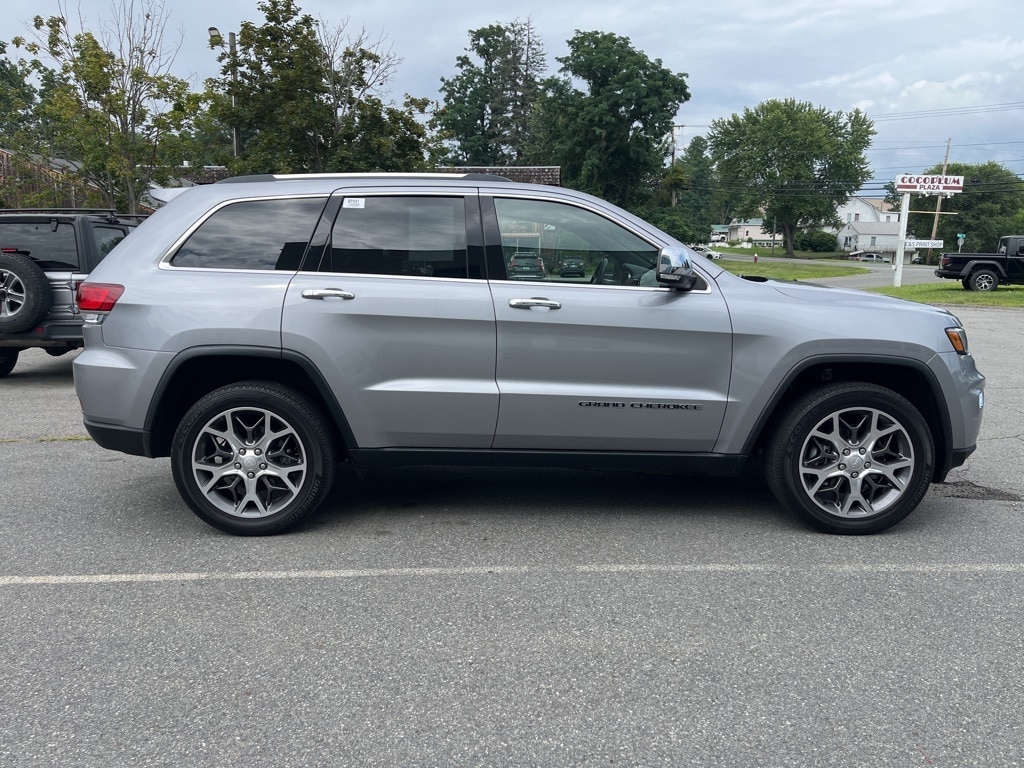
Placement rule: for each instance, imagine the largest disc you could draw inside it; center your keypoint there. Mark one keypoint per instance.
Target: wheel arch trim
(155, 428)
(771, 408)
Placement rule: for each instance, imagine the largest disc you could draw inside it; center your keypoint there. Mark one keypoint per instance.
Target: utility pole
(217, 41)
(938, 203)
(673, 165)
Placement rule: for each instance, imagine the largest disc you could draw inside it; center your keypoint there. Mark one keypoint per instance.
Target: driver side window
(556, 242)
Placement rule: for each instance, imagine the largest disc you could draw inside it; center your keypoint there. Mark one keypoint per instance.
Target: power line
(939, 146)
(948, 112)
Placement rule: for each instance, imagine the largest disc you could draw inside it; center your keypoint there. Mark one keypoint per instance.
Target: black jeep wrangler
(986, 271)
(44, 255)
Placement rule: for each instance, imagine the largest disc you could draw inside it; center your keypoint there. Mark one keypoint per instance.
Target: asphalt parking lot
(505, 617)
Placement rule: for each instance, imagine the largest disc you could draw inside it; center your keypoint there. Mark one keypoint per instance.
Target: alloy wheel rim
(249, 462)
(12, 294)
(856, 462)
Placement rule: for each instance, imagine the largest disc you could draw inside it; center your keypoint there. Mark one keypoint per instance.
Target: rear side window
(49, 243)
(399, 235)
(254, 234)
(106, 238)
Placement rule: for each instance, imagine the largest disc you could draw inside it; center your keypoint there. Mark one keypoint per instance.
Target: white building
(868, 224)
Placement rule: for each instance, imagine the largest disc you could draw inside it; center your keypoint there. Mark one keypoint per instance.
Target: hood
(850, 297)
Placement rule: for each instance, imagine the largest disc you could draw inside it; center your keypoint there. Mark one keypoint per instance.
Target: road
(879, 275)
(505, 617)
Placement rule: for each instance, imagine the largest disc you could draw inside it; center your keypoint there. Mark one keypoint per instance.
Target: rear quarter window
(253, 234)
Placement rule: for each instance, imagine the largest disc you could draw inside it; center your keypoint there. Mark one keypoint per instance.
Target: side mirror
(675, 269)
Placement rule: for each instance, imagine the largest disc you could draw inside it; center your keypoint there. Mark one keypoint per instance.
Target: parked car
(986, 271)
(869, 256)
(572, 268)
(44, 254)
(526, 266)
(261, 331)
(703, 250)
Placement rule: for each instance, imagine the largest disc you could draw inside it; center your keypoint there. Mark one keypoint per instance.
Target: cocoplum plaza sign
(919, 184)
(929, 185)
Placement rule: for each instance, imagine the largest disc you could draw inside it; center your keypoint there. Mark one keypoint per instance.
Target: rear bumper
(65, 334)
(131, 441)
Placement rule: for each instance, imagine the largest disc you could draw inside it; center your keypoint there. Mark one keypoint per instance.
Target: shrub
(817, 241)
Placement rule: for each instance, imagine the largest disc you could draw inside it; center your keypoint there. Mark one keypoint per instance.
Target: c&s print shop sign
(943, 185)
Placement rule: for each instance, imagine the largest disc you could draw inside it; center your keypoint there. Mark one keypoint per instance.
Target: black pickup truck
(986, 271)
(44, 255)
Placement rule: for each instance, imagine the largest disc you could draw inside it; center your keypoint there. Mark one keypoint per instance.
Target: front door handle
(536, 301)
(327, 293)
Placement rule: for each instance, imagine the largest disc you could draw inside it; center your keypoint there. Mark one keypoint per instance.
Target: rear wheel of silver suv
(851, 458)
(253, 458)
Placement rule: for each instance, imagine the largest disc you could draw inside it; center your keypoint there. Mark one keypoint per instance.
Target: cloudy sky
(924, 70)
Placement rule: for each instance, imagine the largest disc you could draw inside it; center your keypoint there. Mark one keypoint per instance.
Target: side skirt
(711, 464)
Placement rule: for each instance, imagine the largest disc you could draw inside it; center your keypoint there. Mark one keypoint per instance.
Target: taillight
(98, 297)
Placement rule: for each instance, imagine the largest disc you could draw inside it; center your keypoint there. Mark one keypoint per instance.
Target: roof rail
(110, 214)
(413, 176)
(109, 211)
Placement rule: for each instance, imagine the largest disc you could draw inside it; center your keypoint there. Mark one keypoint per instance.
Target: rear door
(398, 318)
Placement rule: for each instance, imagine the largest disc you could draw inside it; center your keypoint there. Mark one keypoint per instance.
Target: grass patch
(951, 292)
(789, 271)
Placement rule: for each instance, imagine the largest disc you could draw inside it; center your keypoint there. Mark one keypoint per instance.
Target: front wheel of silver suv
(253, 458)
(851, 458)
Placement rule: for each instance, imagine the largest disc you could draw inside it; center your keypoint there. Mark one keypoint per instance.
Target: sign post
(928, 184)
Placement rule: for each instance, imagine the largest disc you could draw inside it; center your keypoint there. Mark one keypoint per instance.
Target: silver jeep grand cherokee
(260, 331)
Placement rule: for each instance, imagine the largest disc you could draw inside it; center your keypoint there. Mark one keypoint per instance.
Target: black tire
(24, 293)
(851, 458)
(236, 476)
(8, 359)
(983, 280)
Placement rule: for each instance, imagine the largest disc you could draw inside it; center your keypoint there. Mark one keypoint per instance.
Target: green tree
(682, 204)
(697, 194)
(17, 96)
(306, 99)
(109, 100)
(486, 106)
(792, 163)
(991, 205)
(610, 137)
(279, 78)
(376, 137)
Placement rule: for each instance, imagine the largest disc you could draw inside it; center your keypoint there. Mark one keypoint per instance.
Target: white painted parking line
(371, 573)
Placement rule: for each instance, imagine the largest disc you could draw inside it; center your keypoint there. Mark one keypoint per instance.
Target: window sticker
(354, 202)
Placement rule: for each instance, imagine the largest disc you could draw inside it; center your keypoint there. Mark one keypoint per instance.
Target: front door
(611, 361)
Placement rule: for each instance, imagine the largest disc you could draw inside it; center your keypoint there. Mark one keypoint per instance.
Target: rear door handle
(327, 293)
(536, 301)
